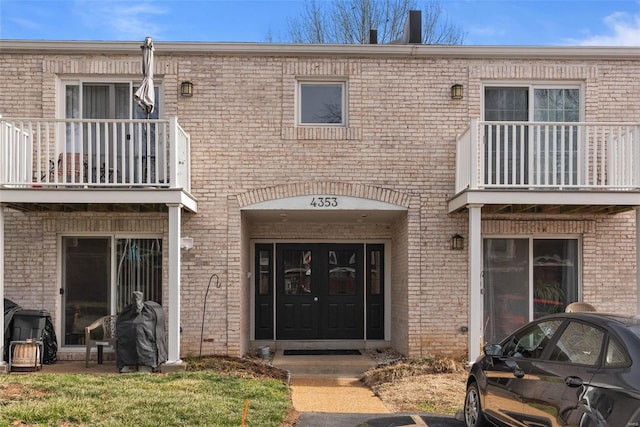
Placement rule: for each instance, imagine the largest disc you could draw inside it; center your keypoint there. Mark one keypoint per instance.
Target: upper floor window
(321, 103)
(103, 100)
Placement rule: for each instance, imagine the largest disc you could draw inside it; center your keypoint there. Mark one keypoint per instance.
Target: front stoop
(324, 366)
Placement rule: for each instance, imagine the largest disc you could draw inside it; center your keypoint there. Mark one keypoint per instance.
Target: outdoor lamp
(186, 88)
(457, 90)
(457, 242)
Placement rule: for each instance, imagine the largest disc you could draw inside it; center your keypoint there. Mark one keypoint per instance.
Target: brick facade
(398, 148)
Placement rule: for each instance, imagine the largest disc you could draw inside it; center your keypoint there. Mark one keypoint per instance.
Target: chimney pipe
(412, 29)
(373, 36)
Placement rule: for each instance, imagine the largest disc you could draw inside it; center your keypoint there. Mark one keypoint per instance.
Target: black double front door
(319, 291)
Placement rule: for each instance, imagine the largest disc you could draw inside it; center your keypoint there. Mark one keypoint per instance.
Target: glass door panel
(555, 149)
(264, 292)
(342, 272)
(139, 268)
(506, 286)
(86, 278)
(555, 278)
(506, 146)
(375, 291)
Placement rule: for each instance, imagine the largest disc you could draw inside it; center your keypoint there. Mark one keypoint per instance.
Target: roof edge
(274, 49)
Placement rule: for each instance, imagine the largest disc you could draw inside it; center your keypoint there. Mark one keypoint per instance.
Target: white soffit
(324, 202)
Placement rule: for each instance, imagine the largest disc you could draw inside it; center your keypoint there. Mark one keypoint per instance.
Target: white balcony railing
(548, 155)
(36, 153)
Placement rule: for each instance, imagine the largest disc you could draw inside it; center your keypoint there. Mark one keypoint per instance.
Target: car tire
(473, 416)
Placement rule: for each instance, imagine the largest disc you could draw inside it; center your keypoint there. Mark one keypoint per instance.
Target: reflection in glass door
(525, 279)
(86, 278)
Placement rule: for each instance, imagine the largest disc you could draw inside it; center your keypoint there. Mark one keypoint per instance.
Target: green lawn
(201, 398)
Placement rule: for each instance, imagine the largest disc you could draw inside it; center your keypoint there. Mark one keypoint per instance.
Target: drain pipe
(204, 308)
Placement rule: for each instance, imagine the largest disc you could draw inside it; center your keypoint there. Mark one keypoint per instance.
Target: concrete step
(328, 366)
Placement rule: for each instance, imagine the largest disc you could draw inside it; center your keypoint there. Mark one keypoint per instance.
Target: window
(322, 103)
(616, 356)
(525, 279)
(579, 343)
(532, 342)
(527, 154)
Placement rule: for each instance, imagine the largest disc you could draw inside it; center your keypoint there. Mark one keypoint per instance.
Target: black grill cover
(140, 333)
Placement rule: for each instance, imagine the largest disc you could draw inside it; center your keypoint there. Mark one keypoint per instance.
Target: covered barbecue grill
(141, 336)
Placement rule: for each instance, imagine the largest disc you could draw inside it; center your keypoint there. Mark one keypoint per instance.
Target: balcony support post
(173, 356)
(638, 259)
(2, 362)
(476, 331)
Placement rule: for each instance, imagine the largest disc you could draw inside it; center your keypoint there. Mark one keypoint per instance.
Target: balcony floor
(139, 200)
(550, 202)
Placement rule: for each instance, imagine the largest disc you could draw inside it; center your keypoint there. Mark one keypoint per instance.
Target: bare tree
(349, 22)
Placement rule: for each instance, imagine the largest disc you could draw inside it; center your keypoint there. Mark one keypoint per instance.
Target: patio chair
(108, 325)
(576, 307)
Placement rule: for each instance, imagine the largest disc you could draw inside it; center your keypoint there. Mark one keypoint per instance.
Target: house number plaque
(324, 202)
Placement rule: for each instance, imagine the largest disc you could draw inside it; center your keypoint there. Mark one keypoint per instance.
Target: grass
(192, 398)
(435, 385)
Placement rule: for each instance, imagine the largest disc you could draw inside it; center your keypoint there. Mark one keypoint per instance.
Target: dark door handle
(573, 382)
(518, 373)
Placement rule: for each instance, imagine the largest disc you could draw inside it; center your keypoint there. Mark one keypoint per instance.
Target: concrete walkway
(327, 392)
(330, 383)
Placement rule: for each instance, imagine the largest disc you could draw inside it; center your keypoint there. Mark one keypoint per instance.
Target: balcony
(548, 167)
(94, 164)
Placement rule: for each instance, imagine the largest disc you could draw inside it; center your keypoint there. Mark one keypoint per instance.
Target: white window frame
(532, 86)
(319, 82)
(530, 238)
(133, 83)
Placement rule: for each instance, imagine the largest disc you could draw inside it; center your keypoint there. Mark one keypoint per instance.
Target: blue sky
(484, 22)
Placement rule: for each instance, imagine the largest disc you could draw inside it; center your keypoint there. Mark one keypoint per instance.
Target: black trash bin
(28, 325)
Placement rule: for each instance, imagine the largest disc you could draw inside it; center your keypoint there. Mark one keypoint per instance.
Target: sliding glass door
(525, 279)
(521, 153)
(99, 275)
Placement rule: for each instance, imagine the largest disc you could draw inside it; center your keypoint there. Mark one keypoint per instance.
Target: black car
(567, 369)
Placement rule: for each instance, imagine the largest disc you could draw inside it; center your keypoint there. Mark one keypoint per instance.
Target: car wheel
(473, 416)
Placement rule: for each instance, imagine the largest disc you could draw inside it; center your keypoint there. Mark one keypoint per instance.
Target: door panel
(375, 292)
(320, 291)
(86, 284)
(297, 317)
(264, 292)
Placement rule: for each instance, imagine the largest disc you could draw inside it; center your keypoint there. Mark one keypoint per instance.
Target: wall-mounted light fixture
(186, 88)
(457, 242)
(457, 91)
(186, 243)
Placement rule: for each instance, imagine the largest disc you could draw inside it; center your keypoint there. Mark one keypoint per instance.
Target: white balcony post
(2, 362)
(173, 152)
(173, 356)
(638, 260)
(474, 147)
(476, 331)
